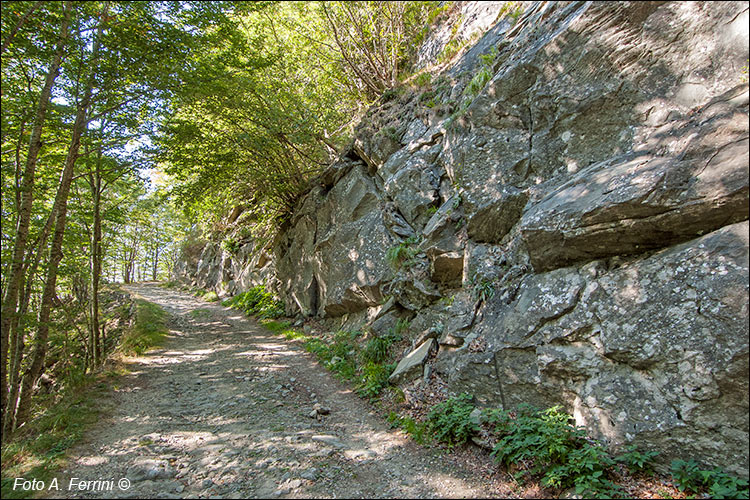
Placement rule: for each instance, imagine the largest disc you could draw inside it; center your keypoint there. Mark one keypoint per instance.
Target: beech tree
(101, 84)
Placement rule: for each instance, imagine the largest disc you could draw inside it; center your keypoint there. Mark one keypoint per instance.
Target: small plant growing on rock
(231, 245)
(403, 253)
(477, 83)
(482, 289)
(402, 325)
(511, 9)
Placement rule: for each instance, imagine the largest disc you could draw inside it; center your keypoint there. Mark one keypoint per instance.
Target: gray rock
(447, 268)
(147, 469)
(414, 293)
(329, 440)
(310, 474)
(602, 172)
(411, 365)
(643, 200)
(492, 216)
(653, 351)
(334, 252)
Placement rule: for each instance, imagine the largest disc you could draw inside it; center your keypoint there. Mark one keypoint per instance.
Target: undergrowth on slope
(38, 450)
(149, 329)
(450, 421)
(60, 418)
(257, 302)
(541, 446)
(557, 451)
(689, 477)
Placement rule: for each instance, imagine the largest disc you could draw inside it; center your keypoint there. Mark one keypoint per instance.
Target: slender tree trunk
(156, 262)
(61, 209)
(96, 262)
(10, 297)
(18, 328)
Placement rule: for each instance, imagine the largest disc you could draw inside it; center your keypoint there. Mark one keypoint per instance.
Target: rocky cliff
(564, 210)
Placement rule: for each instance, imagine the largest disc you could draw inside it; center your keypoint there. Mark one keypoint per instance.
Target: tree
(14, 279)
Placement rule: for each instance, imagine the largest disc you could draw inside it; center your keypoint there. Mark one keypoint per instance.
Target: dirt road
(222, 410)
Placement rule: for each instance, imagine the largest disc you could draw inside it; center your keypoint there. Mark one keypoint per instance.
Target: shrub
(555, 448)
(450, 420)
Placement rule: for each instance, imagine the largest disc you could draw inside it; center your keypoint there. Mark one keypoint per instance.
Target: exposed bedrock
(575, 232)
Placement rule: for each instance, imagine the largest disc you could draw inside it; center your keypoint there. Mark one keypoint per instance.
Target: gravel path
(223, 411)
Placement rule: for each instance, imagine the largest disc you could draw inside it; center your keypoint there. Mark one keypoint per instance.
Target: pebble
(329, 440)
(322, 410)
(294, 483)
(311, 474)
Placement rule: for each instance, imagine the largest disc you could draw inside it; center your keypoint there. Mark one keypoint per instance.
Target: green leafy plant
(637, 461)
(557, 450)
(482, 289)
(374, 379)
(376, 349)
(512, 10)
(423, 79)
(402, 325)
(451, 49)
(391, 94)
(231, 245)
(450, 420)
(419, 431)
(690, 477)
(477, 83)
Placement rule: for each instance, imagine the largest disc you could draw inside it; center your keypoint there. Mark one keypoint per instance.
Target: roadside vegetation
(541, 449)
(63, 411)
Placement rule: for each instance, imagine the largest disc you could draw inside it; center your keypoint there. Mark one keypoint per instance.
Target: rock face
(574, 233)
